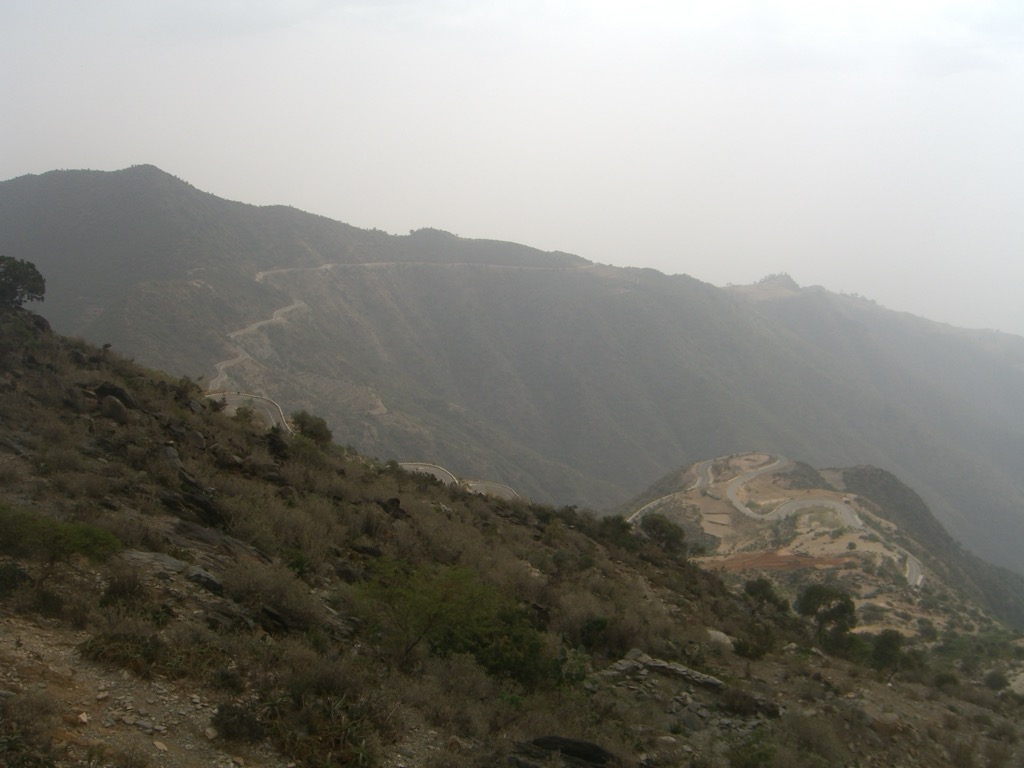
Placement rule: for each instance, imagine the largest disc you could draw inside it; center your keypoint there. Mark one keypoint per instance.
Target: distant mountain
(570, 381)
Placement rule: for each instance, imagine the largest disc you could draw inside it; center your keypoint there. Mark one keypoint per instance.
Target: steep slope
(570, 381)
(181, 588)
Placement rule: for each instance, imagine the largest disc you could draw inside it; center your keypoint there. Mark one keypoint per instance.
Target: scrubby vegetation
(339, 603)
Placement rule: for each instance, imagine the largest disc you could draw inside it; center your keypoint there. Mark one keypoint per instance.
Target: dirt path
(94, 709)
(221, 379)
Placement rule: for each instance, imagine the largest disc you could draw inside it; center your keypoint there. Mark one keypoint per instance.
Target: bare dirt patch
(771, 561)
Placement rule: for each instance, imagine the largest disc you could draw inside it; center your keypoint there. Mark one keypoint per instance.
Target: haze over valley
(570, 381)
(468, 383)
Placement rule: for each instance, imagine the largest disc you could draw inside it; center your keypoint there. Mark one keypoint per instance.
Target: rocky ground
(101, 715)
(104, 716)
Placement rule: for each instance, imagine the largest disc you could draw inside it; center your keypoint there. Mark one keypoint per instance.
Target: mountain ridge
(572, 381)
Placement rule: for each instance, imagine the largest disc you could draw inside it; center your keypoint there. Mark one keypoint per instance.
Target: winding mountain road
(221, 379)
(913, 569)
(278, 317)
(740, 480)
(269, 409)
(704, 478)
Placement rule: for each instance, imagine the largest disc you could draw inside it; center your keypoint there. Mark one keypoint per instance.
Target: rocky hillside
(573, 382)
(183, 588)
(755, 514)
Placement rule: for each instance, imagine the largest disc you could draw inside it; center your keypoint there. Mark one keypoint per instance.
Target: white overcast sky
(870, 147)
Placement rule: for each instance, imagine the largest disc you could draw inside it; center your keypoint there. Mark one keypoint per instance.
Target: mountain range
(573, 382)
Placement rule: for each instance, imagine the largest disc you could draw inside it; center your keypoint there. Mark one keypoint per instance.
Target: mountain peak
(777, 286)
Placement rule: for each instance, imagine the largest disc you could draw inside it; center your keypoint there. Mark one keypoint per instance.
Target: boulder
(638, 661)
(559, 750)
(196, 440)
(720, 641)
(204, 579)
(114, 409)
(195, 507)
(105, 388)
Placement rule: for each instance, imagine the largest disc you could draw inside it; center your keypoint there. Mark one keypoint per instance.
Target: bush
(24, 722)
(758, 640)
(755, 751)
(663, 532)
(237, 723)
(996, 680)
(763, 592)
(32, 534)
(943, 680)
(11, 577)
(833, 612)
(450, 611)
(616, 531)
(313, 427)
(274, 587)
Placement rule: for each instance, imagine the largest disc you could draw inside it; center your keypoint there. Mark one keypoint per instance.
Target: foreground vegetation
(341, 605)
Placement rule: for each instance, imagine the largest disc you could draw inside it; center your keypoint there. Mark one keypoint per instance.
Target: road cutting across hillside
(845, 514)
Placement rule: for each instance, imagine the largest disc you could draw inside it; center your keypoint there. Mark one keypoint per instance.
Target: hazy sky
(870, 147)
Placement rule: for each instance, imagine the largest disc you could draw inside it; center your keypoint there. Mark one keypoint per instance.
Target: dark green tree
(763, 592)
(831, 608)
(663, 532)
(887, 651)
(20, 281)
(313, 427)
(616, 530)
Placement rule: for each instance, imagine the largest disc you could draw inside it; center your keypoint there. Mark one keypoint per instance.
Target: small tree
(887, 651)
(831, 608)
(20, 281)
(313, 427)
(762, 591)
(665, 533)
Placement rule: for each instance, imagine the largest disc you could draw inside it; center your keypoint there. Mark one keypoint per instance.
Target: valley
(570, 381)
(181, 586)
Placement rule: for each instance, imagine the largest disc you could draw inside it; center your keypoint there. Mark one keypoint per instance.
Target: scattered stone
(204, 579)
(636, 661)
(571, 751)
(160, 746)
(114, 409)
(109, 389)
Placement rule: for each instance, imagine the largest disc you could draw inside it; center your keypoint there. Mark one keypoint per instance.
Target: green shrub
(996, 680)
(11, 577)
(763, 592)
(616, 531)
(756, 641)
(450, 611)
(32, 534)
(237, 723)
(666, 534)
(135, 645)
(755, 751)
(945, 680)
(313, 427)
(24, 742)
